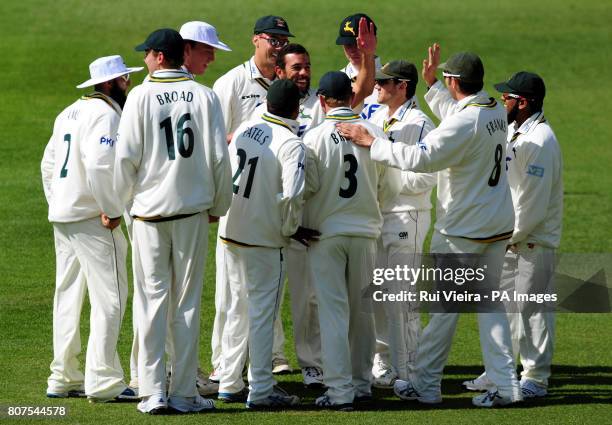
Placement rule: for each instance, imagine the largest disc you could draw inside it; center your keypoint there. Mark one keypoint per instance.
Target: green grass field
(48, 46)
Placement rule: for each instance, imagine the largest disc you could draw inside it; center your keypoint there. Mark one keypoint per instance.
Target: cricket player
(90, 249)
(535, 176)
(240, 91)
(201, 42)
(268, 165)
(172, 165)
(474, 214)
(346, 188)
(406, 222)
(349, 35)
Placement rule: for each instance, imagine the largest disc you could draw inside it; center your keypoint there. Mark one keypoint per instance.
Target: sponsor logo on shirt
(535, 170)
(249, 96)
(107, 141)
(368, 110)
(403, 235)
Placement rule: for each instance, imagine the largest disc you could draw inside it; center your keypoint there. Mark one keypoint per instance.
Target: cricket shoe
(491, 399)
(531, 389)
(128, 394)
(279, 399)
(214, 376)
(204, 385)
(153, 405)
(68, 394)
(313, 377)
(237, 397)
(325, 402)
(406, 391)
(482, 383)
(361, 397)
(383, 373)
(280, 366)
(191, 404)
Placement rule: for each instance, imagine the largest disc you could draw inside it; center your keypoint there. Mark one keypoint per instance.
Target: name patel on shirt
(496, 125)
(174, 96)
(256, 134)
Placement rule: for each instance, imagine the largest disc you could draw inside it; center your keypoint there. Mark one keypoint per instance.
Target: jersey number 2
(182, 133)
(242, 161)
(350, 176)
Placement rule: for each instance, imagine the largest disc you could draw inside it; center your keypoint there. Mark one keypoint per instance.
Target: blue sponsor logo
(107, 141)
(368, 110)
(301, 130)
(534, 170)
(422, 145)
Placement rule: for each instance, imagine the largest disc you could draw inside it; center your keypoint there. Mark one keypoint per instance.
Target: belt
(161, 219)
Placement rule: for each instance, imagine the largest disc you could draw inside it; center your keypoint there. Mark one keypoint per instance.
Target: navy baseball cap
(272, 25)
(335, 84)
(349, 28)
(164, 40)
(283, 93)
(526, 84)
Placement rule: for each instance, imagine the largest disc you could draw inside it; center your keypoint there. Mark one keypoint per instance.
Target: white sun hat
(107, 68)
(203, 33)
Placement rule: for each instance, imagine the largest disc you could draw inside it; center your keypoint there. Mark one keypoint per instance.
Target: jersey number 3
(184, 135)
(350, 176)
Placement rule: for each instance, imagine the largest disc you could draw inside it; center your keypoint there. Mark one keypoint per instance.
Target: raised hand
(366, 40)
(430, 65)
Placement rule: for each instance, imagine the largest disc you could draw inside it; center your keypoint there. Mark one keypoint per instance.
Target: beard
(513, 113)
(117, 94)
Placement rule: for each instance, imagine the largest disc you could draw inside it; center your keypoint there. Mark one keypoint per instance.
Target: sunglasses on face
(508, 96)
(275, 42)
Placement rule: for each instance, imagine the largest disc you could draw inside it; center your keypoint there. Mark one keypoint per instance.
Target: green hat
(164, 40)
(465, 65)
(283, 94)
(349, 28)
(400, 70)
(335, 84)
(526, 84)
(272, 25)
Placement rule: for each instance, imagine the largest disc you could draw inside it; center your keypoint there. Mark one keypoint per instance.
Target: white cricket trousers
(530, 271)
(231, 327)
(88, 257)
(341, 268)
(173, 258)
(495, 339)
(398, 325)
(304, 307)
(262, 272)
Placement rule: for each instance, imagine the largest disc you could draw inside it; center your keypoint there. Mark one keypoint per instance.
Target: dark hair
(291, 48)
(410, 89)
(285, 110)
(469, 87)
(174, 59)
(535, 104)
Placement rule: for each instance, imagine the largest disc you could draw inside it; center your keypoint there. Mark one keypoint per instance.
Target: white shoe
(204, 385)
(406, 391)
(215, 376)
(325, 402)
(280, 366)
(153, 405)
(277, 400)
(313, 377)
(386, 380)
(531, 389)
(491, 399)
(191, 404)
(482, 383)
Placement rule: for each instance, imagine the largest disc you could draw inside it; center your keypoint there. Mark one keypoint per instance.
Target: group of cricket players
(319, 186)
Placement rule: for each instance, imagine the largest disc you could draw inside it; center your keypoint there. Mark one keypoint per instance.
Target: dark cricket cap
(400, 70)
(283, 93)
(523, 83)
(349, 28)
(335, 84)
(465, 65)
(272, 25)
(164, 40)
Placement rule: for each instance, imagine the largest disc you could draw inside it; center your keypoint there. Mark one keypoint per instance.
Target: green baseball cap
(400, 70)
(349, 28)
(526, 84)
(465, 66)
(164, 40)
(272, 25)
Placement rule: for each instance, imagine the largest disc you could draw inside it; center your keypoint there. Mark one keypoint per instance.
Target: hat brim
(94, 81)
(342, 40)
(504, 88)
(141, 47)
(276, 31)
(382, 76)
